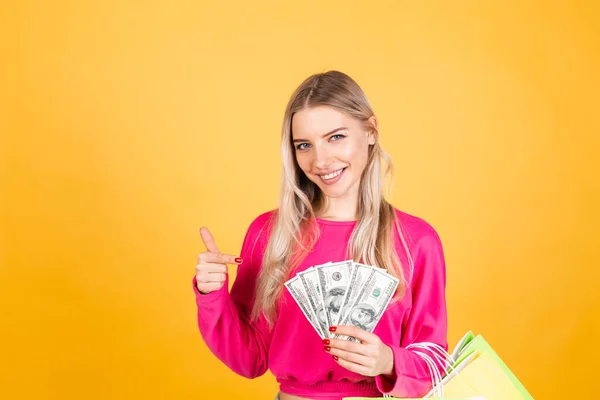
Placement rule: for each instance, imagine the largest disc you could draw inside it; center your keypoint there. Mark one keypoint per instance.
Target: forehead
(316, 121)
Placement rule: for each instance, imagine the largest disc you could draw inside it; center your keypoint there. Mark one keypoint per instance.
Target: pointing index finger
(221, 258)
(208, 240)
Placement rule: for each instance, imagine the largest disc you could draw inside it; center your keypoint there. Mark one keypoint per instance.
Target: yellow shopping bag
(473, 371)
(485, 374)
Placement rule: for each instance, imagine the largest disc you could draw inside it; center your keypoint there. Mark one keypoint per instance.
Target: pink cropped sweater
(294, 352)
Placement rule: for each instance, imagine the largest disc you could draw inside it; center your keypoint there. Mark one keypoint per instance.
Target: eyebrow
(328, 133)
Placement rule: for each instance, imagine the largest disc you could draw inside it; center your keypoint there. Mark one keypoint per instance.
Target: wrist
(389, 367)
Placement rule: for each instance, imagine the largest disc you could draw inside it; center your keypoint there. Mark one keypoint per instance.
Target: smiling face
(331, 148)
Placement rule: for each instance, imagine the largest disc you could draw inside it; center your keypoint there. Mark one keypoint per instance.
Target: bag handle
(446, 364)
(434, 373)
(444, 359)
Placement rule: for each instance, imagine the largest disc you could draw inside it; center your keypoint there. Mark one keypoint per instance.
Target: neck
(343, 208)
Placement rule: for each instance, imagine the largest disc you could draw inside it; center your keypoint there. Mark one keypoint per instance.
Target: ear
(372, 135)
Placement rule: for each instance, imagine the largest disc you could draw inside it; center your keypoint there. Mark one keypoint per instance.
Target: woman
(331, 208)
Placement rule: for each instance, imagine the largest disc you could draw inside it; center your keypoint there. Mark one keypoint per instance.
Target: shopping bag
(473, 371)
(485, 374)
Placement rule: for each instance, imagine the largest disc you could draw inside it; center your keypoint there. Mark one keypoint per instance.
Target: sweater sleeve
(224, 318)
(427, 322)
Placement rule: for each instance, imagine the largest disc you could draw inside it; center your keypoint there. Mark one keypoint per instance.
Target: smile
(332, 177)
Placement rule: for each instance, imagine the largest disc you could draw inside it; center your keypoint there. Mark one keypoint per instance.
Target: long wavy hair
(294, 225)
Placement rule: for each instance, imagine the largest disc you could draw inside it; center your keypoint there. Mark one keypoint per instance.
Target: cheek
(303, 162)
(355, 153)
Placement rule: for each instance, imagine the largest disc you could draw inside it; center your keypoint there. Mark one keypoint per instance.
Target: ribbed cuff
(203, 299)
(406, 381)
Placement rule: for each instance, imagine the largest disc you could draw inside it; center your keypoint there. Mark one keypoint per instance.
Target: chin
(334, 193)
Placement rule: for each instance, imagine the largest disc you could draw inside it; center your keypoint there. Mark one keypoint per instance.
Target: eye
(341, 136)
(299, 147)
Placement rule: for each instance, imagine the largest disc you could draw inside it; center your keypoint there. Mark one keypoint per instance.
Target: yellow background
(128, 125)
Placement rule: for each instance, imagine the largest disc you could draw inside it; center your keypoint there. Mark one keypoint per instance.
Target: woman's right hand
(211, 270)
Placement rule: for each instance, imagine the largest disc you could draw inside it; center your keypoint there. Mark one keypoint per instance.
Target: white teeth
(332, 175)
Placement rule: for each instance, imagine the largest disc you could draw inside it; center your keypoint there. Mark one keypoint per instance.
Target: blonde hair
(294, 225)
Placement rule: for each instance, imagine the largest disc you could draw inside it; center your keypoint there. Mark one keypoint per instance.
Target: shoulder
(415, 229)
(424, 245)
(261, 226)
(257, 234)
(422, 239)
(263, 221)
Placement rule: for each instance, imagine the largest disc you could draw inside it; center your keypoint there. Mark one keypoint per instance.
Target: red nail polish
(327, 348)
(326, 341)
(238, 260)
(332, 329)
(335, 358)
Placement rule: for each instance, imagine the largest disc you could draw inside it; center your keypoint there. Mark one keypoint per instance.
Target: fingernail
(326, 341)
(327, 348)
(238, 260)
(332, 329)
(335, 358)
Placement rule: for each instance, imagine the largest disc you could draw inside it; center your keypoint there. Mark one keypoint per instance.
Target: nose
(323, 159)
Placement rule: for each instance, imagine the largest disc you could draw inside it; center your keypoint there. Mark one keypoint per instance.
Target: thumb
(208, 240)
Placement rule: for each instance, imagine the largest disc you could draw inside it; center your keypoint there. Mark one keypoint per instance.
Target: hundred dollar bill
(360, 274)
(351, 270)
(371, 302)
(334, 279)
(296, 289)
(310, 280)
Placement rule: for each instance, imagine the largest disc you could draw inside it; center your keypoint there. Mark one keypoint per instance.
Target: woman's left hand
(370, 357)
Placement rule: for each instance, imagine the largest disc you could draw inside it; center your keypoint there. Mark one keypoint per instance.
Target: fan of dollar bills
(342, 293)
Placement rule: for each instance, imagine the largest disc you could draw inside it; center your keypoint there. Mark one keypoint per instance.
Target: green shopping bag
(472, 371)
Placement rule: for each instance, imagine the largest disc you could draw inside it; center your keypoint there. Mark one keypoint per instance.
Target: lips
(333, 179)
(331, 175)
